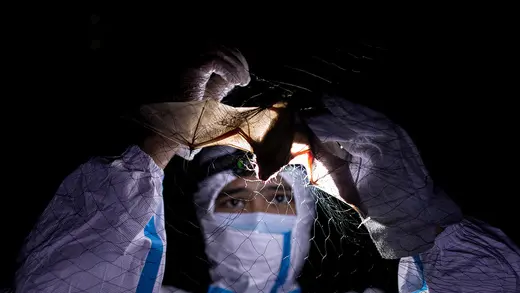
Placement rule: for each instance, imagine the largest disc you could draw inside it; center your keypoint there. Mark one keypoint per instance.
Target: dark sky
(444, 77)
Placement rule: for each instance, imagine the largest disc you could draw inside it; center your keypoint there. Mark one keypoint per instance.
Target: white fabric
(244, 261)
(258, 222)
(404, 208)
(470, 256)
(236, 243)
(208, 190)
(249, 261)
(97, 232)
(305, 214)
(186, 153)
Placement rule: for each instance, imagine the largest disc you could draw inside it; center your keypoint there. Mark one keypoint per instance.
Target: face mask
(250, 252)
(257, 222)
(243, 258)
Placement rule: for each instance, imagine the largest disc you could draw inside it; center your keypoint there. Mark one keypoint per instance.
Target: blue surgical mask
(250, 251)
(257, 222)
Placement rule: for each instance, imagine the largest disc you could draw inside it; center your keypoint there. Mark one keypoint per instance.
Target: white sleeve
(403, 207)
(470, 256)
(102, 232)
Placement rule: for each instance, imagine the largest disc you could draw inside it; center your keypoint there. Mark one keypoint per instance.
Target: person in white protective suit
(407, 216)
(257, 234)
(104, 229)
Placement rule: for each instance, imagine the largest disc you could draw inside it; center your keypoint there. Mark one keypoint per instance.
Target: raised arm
(104, 229)
(402, 209)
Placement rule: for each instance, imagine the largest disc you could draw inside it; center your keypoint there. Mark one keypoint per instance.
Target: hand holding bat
(210, 77)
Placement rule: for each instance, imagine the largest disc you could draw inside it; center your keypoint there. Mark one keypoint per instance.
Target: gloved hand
(328, 167)
(211, 76)
(214, 75)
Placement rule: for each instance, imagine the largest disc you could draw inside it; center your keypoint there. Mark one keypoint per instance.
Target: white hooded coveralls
(104, 229)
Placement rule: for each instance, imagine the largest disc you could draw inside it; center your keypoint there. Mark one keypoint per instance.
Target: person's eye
(234, 203)
(281, 199)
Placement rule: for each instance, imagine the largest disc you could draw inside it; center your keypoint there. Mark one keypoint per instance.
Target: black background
(446, 77)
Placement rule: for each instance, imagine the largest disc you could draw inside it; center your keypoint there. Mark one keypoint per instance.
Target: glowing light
(319, 175)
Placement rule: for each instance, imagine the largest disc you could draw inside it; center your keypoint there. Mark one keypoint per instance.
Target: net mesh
(341, 255)
(92, 220)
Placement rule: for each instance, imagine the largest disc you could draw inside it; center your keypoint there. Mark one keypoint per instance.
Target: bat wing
(205, 123)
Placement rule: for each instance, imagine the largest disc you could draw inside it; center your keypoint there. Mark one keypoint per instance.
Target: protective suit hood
(249, 261)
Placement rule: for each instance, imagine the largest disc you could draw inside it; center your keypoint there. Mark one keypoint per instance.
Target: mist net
(385, 225)
(341, 255)
(380, 228)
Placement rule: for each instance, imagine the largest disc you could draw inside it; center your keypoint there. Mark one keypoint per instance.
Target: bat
(266, 132)
(274, 134)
